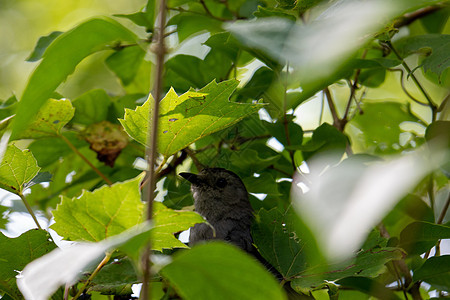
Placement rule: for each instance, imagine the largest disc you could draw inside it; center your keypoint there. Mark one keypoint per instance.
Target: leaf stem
(444, 210)
(99, 267)
(96, 170)
(30, 210)
(151, 151)
(414, 78)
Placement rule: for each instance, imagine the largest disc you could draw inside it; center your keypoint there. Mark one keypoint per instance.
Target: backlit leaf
(185, 119)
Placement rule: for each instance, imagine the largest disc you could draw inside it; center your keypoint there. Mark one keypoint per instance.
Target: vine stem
(74, 149)
(30, 211)
(417, 83)
(151, 151)
(104, 261)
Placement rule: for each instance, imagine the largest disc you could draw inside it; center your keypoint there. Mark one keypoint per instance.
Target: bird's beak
(192, 178)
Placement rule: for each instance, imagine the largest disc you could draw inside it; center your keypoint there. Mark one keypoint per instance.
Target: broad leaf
(60, 60)
(50, 119)
(368, 263)
(42, 277)
(125, 63)
(419, 237)
(42, 44)
(168, 222)
(185, 119)
(16, 169)
(229, 272)
(102, 213)
(435, 271)
(275, 235)
(16, 253)
(91, 107)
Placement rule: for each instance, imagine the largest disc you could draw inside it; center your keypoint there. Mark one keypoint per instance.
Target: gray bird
(221, 198)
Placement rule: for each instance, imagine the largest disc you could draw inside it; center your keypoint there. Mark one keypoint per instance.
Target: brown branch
(197, 163)
(444, 210)
(408, 18)
(151, 151)
(339, 124)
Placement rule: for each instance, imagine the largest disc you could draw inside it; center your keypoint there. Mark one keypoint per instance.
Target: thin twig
(402, 83)
(151, 150)
(353, 88)
(74, 149)
(444, 210)
(408, 18)
(104, 261)
(431, 104)
(30, 210)
(202, 2)
(197, 163)
(336, 120)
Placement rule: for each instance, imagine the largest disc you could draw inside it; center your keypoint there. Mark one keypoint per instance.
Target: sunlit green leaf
(50, 119)
(60, 60)
(189, 117)
(16, 253)
(102, 213)
(168, 222)
(229, 272)
(17, 168)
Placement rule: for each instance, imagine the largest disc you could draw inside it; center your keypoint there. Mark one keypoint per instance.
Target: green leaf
(125, 63)
(4, 218)
(91, 107)
(39, 178)
(435, 22)
(178, 193)
(50, 119)
(16, 169)
(229, 272)
(190, 23)
(60, 60)
(115, 278)
(185, 119)
(168, 222)
(419, 237)
(435, 271)
(16, 253)
(368, 286)
(436, 62)
(42, 277)
(264, 12)
(186, 71)
(385, 136)
(325, 139)
(275, 235)
(366, 264)
(41, 46)
(96, 215)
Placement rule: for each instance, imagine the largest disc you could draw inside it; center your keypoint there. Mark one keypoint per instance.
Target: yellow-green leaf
(17, 168)
(185, 119)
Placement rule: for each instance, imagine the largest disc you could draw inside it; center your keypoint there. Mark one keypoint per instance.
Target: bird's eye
(221, 182)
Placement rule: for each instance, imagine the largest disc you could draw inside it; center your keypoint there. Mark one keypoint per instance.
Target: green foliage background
(262, 88)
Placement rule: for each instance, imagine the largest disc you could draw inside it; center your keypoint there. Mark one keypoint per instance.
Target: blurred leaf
(4, 218)
(60, 60)
(42, 277)
(16, 169)
(419, 237)
(385, 136)
(144, 18)
(344, 202)
(264, 12)
(287, 132)
(437, 61)
(126, 62)
(49, 120)
(366, 264)
(230, 273)
(373, 77)
(15, 253)
(7, 107)
(325, 139)
(190, 23)
(435, 271)
(353, 24)
(189, 117)
(41, 46)
(96, 215)
(435, 22)
(178, 195)
(91, 107)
